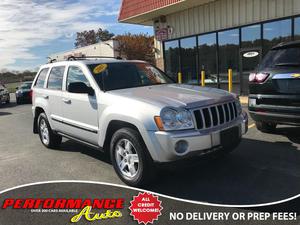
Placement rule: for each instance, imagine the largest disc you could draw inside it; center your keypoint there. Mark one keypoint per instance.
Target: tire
(47, 136)
(8, 100)
(18, 101)
(132, 156)
(266, 127)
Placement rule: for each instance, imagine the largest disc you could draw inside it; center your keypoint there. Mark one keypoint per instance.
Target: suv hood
(176, 95)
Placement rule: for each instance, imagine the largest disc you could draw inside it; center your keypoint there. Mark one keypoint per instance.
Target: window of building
(188, 60)
(41, 78)
(207, 45)
(75, 74)
(251, 36)
(228, 54)
(56, 78)
(276, 32)
(297, 28)
(171, 55)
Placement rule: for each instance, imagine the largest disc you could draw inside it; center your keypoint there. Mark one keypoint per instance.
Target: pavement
(264, 168)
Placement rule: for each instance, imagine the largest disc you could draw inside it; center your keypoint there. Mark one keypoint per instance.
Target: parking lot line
(251, 126)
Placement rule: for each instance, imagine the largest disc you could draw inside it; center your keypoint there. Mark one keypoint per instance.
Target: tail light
(258, 77)
(30, 94)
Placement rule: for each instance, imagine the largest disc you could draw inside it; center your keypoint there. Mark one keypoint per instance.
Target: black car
(275, 88)
(23, 93)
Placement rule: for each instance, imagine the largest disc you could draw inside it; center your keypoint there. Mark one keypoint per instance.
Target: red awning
(132, 8)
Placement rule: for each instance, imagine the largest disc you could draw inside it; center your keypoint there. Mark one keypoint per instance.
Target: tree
(90, 37)
(136, 46)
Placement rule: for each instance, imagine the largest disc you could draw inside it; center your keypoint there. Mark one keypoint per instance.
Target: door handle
(46, 96)
(67, 101)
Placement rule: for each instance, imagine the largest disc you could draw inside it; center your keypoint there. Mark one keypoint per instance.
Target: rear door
(53, 95)
(80, 111)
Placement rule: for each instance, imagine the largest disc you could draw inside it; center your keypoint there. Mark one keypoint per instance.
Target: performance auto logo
(109, 208)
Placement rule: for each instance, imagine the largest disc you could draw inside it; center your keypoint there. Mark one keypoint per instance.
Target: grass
(12, 86)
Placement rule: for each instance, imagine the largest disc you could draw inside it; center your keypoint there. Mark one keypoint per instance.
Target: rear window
(114, 76)
(41, 78)
(56, 78)
(281, 57)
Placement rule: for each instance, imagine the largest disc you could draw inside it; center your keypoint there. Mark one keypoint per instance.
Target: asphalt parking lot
(264, 168)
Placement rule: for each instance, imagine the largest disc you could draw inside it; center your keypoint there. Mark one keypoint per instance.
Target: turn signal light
(258, 77)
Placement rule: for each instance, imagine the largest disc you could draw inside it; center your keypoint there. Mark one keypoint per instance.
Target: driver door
(80, 111)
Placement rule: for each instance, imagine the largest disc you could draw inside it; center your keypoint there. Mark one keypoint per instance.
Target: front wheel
(130, 158)
(47, 136)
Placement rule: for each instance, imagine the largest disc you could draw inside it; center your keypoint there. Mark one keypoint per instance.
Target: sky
(30, 30)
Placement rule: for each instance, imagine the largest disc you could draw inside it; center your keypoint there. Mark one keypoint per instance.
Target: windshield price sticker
(100, 68)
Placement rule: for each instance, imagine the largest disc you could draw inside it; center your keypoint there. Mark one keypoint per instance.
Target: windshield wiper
(287, 64)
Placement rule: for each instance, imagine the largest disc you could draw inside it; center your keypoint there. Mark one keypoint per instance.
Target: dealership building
(214, 35)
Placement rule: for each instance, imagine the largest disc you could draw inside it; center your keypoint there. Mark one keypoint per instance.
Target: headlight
(238, 107)
(173, 119)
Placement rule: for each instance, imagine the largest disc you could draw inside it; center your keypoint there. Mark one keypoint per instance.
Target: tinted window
(56, 78)
(172, 58)
(188, 60)
(114, 76)
(75, 74)
(251, 36)
(41, 78)
(276, 32)
(26, 86)
(208, 56)
(297, 28)
(281, 57)
(229, 54)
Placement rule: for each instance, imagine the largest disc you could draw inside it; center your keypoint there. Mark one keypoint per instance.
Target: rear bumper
(280, 109)
(278, 118)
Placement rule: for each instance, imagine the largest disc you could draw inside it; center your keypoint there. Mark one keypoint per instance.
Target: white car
(4, 95)
(135, 112)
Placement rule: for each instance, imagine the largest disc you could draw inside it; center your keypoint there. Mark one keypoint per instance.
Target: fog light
(181, 147)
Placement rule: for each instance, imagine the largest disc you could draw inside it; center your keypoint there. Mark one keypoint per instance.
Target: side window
(41, 78)
(56, 78)
(75, 74)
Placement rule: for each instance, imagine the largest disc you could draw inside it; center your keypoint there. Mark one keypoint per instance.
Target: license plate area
(229, 136)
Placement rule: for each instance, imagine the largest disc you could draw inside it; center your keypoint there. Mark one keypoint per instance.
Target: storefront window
(208, 57)
(188, 60)
(172, 58)
(229, 54)
(251, 36)
(297, 28)
(276, 32)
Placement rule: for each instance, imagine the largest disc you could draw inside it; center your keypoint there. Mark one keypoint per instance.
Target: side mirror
(17, 88)
(80, 88)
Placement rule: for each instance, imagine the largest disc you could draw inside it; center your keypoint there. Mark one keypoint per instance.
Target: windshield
(114, 76)
(281, 57)
(26, 86)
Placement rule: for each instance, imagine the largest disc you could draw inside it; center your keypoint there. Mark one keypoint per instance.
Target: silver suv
(135, 112)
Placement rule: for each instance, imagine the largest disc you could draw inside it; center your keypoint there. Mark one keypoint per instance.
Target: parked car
(4, 95)
(23, 92)
(275, 88)
(135, 112)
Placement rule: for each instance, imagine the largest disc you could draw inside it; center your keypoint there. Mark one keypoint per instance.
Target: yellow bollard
(230, 80)
(203, 78)
(179, 78)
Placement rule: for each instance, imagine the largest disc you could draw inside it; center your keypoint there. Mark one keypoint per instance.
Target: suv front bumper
(196, 142)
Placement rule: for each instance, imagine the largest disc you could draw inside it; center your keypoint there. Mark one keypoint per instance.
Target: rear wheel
(47, 136)
(130, 158)
(18, 101)
(8, 100)
(266, 127)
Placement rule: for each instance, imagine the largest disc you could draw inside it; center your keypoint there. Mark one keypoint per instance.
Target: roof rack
(73, 58)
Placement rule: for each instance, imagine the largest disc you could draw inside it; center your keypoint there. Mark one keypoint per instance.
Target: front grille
(288, 86)
(216, 115)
